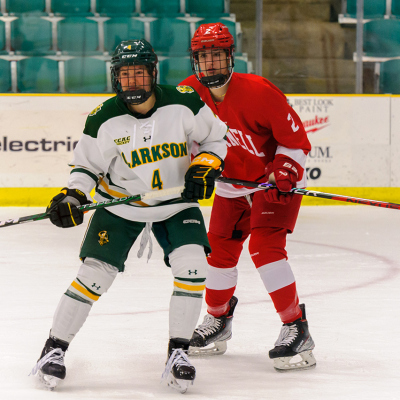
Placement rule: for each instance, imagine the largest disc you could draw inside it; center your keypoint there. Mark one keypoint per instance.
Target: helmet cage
(133, 96)
(219, 79)
(137, 52)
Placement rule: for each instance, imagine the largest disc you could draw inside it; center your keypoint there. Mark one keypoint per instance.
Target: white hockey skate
(210, 337)
(50, 368)
(293, 348)
(179, 373)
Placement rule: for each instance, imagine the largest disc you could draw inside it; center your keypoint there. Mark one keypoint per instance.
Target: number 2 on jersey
(156, 181)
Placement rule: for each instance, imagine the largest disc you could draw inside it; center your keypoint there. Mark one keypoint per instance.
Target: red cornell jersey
(261, 124)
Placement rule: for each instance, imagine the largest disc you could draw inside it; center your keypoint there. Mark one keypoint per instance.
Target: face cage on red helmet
(217, 80)
(133, 96)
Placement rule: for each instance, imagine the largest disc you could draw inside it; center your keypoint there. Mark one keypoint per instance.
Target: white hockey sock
(69, 318)
(94, 279)
(188, 265)
(276, 275)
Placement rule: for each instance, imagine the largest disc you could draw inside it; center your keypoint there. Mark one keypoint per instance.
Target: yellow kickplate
(40, 197)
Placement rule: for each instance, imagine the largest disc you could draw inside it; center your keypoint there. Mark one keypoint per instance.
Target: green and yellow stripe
(82, 289)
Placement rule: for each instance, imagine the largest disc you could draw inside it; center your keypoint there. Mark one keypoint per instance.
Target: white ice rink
(346, 260)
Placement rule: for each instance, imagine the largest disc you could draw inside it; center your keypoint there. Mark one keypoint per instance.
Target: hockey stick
(94, 206)
(314, 193)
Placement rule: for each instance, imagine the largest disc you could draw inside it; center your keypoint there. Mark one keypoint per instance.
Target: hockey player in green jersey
(136, 142)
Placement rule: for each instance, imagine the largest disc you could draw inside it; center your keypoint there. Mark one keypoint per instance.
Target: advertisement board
(37, 137)
(350, 137)
(355, 143)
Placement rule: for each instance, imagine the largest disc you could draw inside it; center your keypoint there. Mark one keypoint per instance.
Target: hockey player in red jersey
(266, 141)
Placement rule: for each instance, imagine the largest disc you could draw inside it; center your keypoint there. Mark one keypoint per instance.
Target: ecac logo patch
(184, 89)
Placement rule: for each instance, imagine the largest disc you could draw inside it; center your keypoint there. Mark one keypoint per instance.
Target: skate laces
(210, 325)
(178, 357)
(287, 335)
(55, 356)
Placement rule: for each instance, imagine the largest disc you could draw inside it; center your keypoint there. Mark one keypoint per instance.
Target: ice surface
(346, 260)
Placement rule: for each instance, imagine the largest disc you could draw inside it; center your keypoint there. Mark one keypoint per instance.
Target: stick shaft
(102, 204)
(314, 193)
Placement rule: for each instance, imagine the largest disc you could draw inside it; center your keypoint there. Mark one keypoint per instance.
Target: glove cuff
(284, 162)
(209, 160)
(78, 195)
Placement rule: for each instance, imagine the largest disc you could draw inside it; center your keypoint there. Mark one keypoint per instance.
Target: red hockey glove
(286, 172)
(201, 175)
(63, 208)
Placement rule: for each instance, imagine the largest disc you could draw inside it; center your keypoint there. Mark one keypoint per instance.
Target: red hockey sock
(286, 303)
(218, 301)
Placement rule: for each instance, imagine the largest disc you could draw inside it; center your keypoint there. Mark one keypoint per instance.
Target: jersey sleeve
(209, 132)
(91, 159)
(285, 125)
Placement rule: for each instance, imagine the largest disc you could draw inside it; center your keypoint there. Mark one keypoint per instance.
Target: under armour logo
(283, 173)
(146, 138)
(193, 272)
(96, 287)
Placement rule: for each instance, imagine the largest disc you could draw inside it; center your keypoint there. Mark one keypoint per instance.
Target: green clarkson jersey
(124, 153)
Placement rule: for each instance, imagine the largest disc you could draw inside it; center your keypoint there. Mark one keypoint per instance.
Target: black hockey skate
(179, 372)
(294, 340)
(50, 368)
(211, 336)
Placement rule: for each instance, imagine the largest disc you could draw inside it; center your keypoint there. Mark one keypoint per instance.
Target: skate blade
(285, 364)
(213, 349)
(48, 381)
(181, 385)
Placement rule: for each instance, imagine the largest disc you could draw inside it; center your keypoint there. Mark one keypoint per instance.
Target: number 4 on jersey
(156, 181)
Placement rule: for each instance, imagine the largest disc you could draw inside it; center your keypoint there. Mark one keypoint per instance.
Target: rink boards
(355, 139)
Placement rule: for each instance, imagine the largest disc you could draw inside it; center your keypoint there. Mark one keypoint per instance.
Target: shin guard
(94, 278)
(188, 265)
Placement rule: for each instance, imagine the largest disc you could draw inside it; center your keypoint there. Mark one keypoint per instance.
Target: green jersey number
(156, 181)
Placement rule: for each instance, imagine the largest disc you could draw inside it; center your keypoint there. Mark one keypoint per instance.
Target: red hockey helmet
(214, 36)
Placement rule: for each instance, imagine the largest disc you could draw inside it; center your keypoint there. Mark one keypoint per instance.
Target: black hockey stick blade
(94, 206)
(314, 193)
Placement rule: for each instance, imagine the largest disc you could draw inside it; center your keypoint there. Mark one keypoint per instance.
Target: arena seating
(382, 38)
(5, 72)
(381, 33)
(202, 8)
(116, 7)
(78, 35)
(395, 10)
(2, 38)
(24, 6)
(372, 9)
(119, 28)
(31, 35)
(389, 77)
(71, 7)
(37, 75)
(241, 65)
(170, 36)
(389, 81)
(160, 8)
(66, 45)
(173, 70)
(85, 75)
